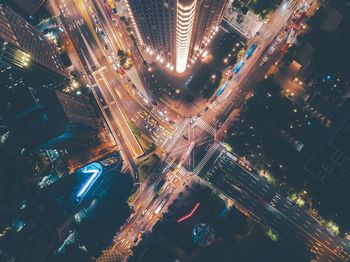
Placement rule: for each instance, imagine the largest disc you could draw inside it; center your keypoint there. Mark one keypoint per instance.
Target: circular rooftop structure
(203, 234)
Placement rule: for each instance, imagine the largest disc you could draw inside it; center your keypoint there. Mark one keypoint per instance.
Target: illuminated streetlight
(75, 84)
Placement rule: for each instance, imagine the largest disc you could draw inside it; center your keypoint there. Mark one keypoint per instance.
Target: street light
(75, 84)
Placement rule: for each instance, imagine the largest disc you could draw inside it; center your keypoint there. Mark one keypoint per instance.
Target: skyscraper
(29, 6)
(32, 74)
(175, 30)
(42, 118)
(28, 54)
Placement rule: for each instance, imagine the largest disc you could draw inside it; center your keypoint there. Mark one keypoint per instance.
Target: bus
(221, 89)
(238, 67)
(250, 51)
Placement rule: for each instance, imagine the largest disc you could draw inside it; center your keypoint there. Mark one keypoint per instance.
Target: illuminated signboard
(93, 170)
(189, 214)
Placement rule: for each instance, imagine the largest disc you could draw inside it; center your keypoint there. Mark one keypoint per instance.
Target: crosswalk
(177, 135)
(205, 126)
(180, 170)
(205, 159)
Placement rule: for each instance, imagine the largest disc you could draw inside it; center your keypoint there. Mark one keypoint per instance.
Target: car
(144, 212)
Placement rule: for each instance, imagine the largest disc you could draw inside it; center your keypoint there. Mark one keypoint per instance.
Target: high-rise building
(29, 6)
(176, 31)
(42, 118)
(25, 50)
(31, 75)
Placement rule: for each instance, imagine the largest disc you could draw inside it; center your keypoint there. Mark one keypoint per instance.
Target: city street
(122, 103)
(243, 185)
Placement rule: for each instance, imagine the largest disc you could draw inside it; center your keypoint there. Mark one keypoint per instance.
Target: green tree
(121, 53)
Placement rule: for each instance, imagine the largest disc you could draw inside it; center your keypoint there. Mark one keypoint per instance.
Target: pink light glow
(189, 214)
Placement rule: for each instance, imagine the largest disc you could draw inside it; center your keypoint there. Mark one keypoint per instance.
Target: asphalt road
(223, 171)
(122, 101)
(289, 220)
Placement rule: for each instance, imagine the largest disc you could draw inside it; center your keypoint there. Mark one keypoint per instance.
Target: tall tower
(175, 30)
(27, 53)
(32, 74)
(29, 6)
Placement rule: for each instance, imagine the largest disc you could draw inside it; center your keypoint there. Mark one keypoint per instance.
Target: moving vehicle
(250, 51)
(238, 67)
(160, 206)
(221, 89)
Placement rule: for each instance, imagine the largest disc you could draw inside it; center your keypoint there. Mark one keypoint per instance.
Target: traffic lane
(263, 213)
(136, 100)
(145, 216)
(115, 131)
(150, 126)
(150, 215)
(75, 34)
(118, 115)
(69, 14)
(254, 182)
(82, 37)
(248, 70)
(223, 180)
(297, 215)
(106, 24)
(78, 36)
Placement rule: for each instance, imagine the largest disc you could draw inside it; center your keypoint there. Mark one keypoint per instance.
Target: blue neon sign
(95, 169)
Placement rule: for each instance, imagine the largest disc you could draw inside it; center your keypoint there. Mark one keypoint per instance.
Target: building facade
(42, 118)
(29, 6)
(176, 31)
(27, 51)
(32, 74)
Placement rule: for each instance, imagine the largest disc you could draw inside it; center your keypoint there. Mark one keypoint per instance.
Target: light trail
(189, 214)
